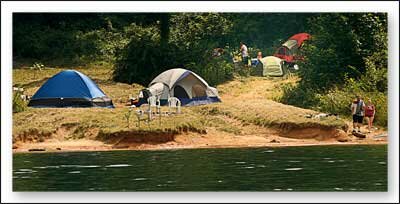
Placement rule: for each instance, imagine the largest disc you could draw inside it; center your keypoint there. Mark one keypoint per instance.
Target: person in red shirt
(370, 114)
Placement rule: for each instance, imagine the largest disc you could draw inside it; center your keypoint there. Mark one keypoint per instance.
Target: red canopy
(300, 38)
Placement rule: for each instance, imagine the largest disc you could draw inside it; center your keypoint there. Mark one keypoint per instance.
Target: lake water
(314, 168)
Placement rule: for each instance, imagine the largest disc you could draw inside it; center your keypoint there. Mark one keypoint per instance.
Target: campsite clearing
(246, 117)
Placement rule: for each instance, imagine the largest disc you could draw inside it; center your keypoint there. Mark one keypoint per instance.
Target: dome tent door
(180, 92)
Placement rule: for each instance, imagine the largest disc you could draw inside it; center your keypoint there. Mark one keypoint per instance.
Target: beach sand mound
(319, 134)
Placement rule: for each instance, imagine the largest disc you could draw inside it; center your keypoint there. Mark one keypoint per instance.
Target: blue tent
(70, 88)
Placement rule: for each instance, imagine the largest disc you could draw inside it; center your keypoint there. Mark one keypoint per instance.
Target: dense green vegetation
(141, 45)
(346, 56)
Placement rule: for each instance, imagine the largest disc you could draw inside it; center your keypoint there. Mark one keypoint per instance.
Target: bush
(338, 99)
(346, 56)
(102, 44)
(143, 58)
(339, 102)
(19, 105)
(214, 70)
(190, 44)
(298, 95)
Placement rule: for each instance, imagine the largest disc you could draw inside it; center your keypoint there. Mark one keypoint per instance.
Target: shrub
(19, 105)
(347, 55)
(191, 41)
(339, 101)
(298, 95)
(141, 57)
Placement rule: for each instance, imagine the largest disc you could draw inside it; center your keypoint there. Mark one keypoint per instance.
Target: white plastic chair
(174, 103)
(153, 101)
(140, 114)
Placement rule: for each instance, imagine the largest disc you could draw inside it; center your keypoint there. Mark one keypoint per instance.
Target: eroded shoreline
(194, 141)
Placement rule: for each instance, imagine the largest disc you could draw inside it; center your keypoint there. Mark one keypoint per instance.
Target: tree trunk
(164, 29)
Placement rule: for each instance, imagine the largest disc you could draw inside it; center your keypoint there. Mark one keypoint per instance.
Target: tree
(333, 53)
(183, 40)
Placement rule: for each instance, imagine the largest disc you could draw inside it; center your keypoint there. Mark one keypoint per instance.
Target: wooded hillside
(347, 54)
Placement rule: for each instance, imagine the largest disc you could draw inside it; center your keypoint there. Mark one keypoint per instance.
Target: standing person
(259, 55)
(357, 109)
(255, 62)
(370, 114)
(245, 54)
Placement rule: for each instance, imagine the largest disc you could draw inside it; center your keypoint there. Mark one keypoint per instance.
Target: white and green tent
(269, 66)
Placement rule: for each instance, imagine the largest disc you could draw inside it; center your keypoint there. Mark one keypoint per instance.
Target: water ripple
(24, 171)
(39, 167)
(88, 166)
(268, 151)
(53, 167)
(68, 165)
(139, 179)
(118, 165)
(293, 169)
(78, 166)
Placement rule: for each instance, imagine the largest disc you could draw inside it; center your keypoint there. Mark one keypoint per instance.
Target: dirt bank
(213, 138)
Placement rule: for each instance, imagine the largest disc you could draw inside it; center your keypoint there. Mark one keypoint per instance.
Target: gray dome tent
(183, 84)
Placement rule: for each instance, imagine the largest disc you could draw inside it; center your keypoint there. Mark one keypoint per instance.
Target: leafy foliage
(19, 105)
(141, 57)
(346, 56)
(191, 40)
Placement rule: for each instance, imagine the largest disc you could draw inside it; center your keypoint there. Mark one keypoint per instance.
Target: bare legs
(357, 127)
(370, 121)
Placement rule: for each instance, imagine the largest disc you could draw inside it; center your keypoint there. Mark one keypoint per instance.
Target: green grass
(271, 114)
(246, 101)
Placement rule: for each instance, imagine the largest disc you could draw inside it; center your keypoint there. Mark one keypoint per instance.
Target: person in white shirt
(357, 110)
(245, 54)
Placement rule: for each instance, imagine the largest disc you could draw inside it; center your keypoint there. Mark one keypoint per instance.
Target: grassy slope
(250, 100)
(245, 101)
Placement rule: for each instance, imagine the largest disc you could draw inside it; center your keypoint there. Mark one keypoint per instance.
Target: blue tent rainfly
(70, 88)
